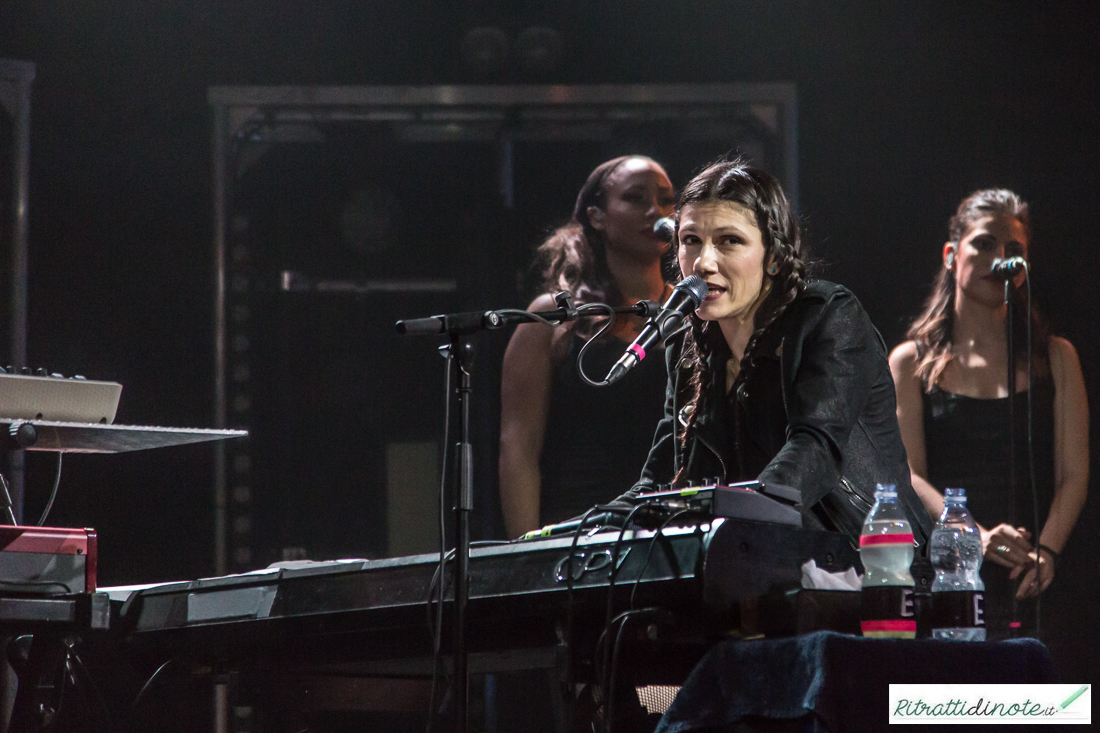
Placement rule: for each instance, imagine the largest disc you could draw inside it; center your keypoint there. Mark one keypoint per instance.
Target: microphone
(664, 228)
(595, 521)
(1007, 268)
(687, 296)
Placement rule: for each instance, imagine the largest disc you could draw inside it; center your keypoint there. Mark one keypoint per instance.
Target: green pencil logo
(1073, 697)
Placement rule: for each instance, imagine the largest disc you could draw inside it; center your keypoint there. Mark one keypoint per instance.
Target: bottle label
(885, 539)
(888, 612)
(956, 609)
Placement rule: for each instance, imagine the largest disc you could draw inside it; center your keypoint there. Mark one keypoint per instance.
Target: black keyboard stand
(37, 633)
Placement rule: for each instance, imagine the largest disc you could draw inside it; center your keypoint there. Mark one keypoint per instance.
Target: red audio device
(47, 560)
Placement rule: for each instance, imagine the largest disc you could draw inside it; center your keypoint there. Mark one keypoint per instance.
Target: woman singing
(566, 446)
(952, 388)
(778, 377)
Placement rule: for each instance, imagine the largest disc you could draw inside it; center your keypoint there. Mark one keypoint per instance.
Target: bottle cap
(954, 496)
(886, 489)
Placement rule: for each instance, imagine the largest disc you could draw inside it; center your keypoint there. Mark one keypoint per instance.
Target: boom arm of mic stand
(472, 322)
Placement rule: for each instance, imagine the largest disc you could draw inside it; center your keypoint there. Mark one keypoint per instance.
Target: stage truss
(249, 121)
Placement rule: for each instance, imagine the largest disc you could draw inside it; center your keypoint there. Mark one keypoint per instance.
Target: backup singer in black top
(565, 446)
(778, 377)
(952, 387)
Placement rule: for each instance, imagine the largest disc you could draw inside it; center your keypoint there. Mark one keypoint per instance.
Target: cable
(435, 628)
(641, 572)
(437, 631)
(431, 604)
(589, 342)
(1031, 456)
(612, 580)
(607, 669)
(652, 544)
(149, 684)
(570, 578)
(533, 317)
(612, 572)
(432, 624)
(611, 670)
(96, 693)
(676, 457)
(1033, 484)
(570, 676)
(8, 510)
(581, 310)
(53, 493)
(622, 618)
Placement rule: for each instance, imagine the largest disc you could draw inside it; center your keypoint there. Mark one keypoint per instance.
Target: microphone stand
(1010, 331)
(463, 351)
(458, 327)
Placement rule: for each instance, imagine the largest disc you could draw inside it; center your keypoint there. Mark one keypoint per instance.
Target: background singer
(951, 380)
(564, 445)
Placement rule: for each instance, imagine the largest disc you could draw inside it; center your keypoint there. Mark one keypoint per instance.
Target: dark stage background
(904, 108)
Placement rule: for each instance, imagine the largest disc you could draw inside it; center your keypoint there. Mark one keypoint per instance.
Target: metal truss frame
(16, 78)
(267, 115)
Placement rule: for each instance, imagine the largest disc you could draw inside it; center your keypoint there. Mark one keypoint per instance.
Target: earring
(950, 262)
(772, 270)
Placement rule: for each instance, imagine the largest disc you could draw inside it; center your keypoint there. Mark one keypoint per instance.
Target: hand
(630, 498)
(1038, 576)
(1007, 546)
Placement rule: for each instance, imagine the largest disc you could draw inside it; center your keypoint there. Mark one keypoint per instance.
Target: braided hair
(736, 182)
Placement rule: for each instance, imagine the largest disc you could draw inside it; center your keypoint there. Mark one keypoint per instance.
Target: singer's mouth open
(713, 291)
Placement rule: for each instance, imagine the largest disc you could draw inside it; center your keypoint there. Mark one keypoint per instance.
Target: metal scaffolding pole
(15, 95)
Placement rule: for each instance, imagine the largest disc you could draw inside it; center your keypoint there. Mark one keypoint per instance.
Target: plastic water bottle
(886, 551)
(957, 593)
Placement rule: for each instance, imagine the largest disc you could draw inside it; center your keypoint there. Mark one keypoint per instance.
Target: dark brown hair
(932, 329)
(574, 256)
(738, 183)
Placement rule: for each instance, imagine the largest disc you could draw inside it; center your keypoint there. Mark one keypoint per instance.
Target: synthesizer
(47, 560)
(55, 398)
(375, 612)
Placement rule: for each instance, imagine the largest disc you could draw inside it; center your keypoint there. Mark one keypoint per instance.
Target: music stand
(38, 693)
(74, 437)
(71, 437)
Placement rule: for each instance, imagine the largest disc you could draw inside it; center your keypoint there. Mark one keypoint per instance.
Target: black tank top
(966, 441)
(597, 438)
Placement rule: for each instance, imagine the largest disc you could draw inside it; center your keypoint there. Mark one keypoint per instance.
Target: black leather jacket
(819, 415)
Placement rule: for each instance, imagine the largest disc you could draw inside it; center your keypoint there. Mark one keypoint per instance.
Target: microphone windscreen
(695, 287)
(1008, 267)
(664, 228)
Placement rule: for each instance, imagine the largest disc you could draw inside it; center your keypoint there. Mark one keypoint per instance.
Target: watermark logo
(986, 704)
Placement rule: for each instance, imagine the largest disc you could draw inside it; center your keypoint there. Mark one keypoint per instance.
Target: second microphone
(685, 298)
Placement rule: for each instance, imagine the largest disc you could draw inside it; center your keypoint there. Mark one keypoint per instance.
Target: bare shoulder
(1064, 361)
(1062, 350)
(903, 359)
(534, 341)
(544, 302)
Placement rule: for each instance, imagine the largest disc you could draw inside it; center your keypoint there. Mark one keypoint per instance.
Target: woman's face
(720, 242)
(987, 239)
(636, 195)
